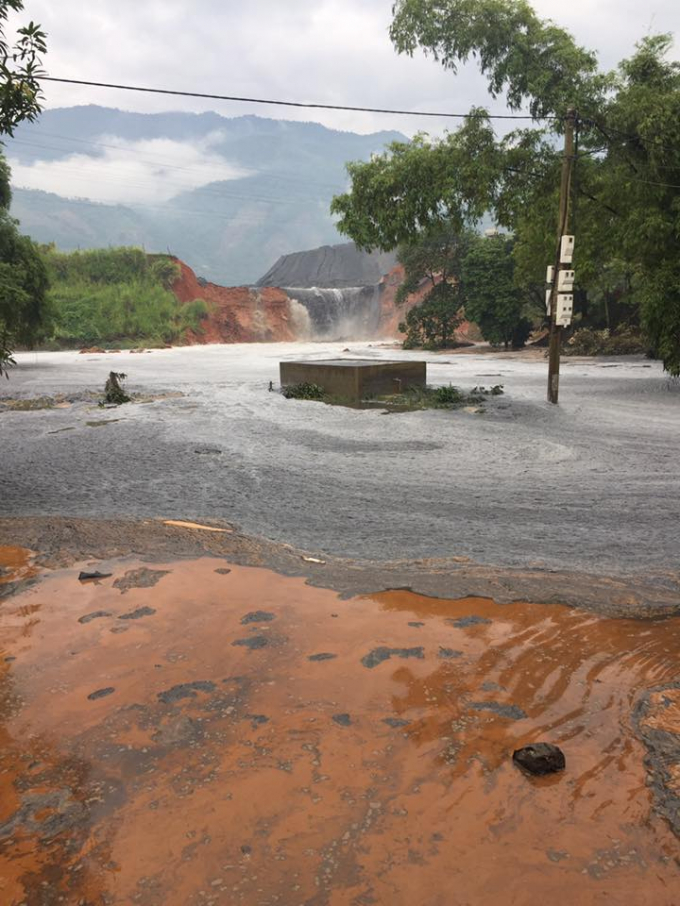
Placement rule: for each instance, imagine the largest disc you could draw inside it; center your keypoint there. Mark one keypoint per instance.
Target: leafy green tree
(22, 274)
(492, 299)
(432, 324)
(626, 201)
(433, 261)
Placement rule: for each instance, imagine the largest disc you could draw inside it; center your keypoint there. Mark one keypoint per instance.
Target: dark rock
(472, 620)
(208, 451)
(223, 571)
(253, 642)
(138, 614)
(185, 690)
(95, 615)
(258, 616)
(396, 722)
(378, 655)
(257, 719)
(101, 693)
(540, 758)
(8, 660)
(140, 578)
(87, 576)
(511, 712)
(449, 654)
(323, 656)
(416, 625)
(344, 720)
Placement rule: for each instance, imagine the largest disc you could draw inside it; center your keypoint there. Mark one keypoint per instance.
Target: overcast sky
(327, 51)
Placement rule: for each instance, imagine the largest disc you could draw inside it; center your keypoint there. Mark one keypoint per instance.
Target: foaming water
(339, 314)
(205, 733)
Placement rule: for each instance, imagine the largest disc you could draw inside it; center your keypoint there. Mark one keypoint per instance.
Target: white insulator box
(567, 250)
(548, 299)
(565, 310)
(550, 275)
(565, 281)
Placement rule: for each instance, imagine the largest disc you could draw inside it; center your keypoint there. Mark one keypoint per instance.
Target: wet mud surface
(360, 754)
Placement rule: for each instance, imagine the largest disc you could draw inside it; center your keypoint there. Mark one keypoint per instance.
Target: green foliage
(433, 323)
(625, 341)
(529, 59)
(20, 68)
(492, 300)
(113, 295)
(192, 313)
(626, 194)
(434, 261)
(24, 314)
(304, 391)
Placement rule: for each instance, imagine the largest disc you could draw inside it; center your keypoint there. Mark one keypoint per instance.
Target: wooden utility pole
(562, 229)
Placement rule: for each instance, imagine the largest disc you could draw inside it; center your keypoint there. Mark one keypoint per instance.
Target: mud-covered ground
(199, 732)
(589, 486)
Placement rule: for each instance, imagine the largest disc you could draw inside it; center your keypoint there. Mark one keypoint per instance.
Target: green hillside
(115, 297)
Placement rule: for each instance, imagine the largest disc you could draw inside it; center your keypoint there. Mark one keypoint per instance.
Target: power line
(278, 103)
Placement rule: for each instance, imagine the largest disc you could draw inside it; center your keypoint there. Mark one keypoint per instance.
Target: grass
(410, 400)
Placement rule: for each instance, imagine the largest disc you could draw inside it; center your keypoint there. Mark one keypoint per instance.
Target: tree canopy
(626, 197)
(23, 278)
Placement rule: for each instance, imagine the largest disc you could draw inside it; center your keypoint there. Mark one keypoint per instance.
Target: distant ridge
(227, 229)
(330, 267)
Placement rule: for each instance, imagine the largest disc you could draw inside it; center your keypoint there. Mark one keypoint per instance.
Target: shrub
(304, 391)
(625, 341)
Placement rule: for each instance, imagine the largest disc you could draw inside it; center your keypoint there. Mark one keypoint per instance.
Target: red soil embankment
(238, 314)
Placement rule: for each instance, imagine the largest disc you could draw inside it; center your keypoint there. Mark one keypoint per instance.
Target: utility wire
(278, 103)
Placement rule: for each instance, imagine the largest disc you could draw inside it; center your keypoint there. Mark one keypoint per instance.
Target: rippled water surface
(194, 733)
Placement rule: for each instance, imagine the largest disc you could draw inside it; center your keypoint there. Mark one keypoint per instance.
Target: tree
(626, 195)
(433, 261)
(23, 287)
(22, 275)
(20, 70)
(492, 298)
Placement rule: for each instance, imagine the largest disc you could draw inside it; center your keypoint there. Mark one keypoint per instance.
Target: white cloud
(148, 171)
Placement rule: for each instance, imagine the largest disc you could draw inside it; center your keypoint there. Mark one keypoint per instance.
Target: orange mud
(244, 789)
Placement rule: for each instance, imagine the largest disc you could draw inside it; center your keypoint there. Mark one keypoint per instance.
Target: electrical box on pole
(550, 275)
(565, 309)
(562, 303)
(565, 281)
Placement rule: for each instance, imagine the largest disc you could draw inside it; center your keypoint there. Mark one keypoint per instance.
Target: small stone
(323, 656)
(253, 642)
(96, 615)
(540, 758)
(344, 720)
(416, 624)
(101, 693)
(472, 620)
(258, 616)
(449, 654)
(138, 614)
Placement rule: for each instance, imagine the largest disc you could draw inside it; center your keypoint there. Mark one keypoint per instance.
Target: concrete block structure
(355, 379)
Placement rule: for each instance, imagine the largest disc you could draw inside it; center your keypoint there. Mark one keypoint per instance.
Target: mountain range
(229, 196)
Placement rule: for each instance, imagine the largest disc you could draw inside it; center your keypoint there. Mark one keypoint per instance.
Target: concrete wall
(355, 380)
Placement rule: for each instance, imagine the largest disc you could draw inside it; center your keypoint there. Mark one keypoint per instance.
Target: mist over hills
(229, 196)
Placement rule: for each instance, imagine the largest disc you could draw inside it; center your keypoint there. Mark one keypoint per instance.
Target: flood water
(196, 733)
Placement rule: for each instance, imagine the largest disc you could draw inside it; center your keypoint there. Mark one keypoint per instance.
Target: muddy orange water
(195, 733)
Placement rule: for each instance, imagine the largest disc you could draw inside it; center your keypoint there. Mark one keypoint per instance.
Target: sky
(325, 51)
